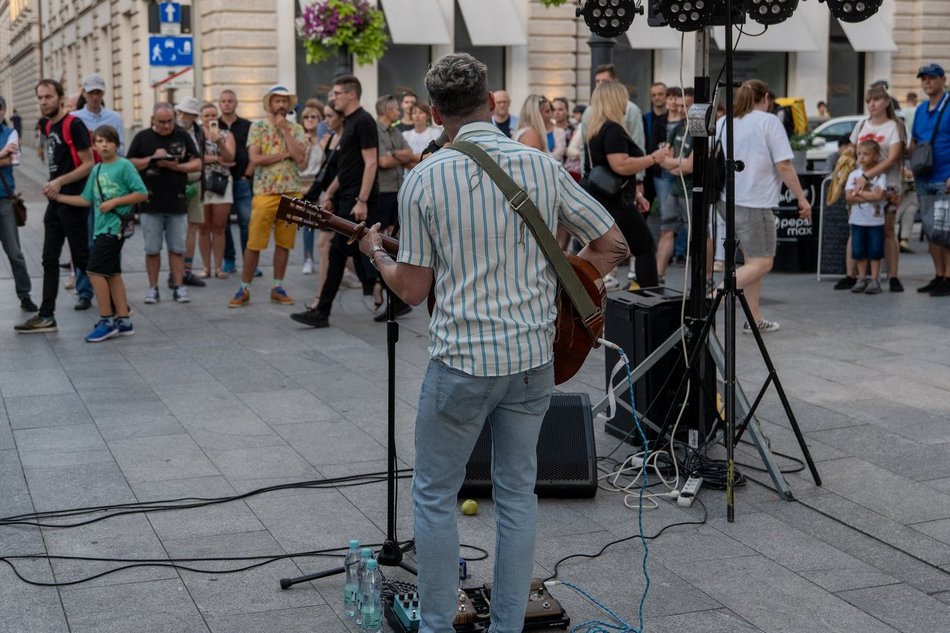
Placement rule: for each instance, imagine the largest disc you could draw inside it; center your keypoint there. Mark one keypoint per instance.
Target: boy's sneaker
(151, 295)
(845, 283)
(104, 330)
(896, 285)
(279, 295)
(860, 285)
(37, 325)
(181, 295)
(123, 327)
(874, 287)
(241, 298)
(312, 317)
(761, 326)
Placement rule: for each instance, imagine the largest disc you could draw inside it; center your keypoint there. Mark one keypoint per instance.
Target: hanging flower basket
(552, 3)
(328, 28)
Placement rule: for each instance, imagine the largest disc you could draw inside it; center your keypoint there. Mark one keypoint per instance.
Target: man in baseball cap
(930, 69)
(277, 148)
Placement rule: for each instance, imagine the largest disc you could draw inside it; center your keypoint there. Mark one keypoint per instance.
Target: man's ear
(436, 116)
(491, 101)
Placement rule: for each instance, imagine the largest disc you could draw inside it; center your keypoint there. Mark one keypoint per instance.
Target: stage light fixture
(687, 15)
(608, 18)
(770, 11)
(853, 10)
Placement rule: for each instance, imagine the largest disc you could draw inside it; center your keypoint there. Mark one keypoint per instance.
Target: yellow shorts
(263, 212)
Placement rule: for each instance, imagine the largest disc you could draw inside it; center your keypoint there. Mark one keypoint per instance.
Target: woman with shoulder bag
(614, 160)
(218, 191)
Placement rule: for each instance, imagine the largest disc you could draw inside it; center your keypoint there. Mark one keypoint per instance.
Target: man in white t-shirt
(761, 143)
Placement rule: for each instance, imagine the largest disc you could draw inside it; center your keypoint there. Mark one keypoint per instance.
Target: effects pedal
(406, 609)
(689, 491)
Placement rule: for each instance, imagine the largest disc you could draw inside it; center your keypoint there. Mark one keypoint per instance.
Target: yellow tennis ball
(469, 507)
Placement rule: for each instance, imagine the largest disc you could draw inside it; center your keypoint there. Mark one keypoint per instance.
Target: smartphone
(213, 124)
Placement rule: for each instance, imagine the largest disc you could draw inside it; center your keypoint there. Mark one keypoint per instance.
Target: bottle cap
(366, 553)
(354, 544)
(371, 564)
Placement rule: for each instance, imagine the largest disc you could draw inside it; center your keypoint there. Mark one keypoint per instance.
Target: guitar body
(573, 339)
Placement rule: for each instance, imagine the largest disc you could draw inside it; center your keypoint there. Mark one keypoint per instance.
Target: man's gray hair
(162, 105)
(458, 85)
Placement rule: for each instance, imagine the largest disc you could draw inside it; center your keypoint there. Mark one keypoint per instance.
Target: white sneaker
(351, 281)
(308, 267)
(763, 326)
(181, 294)
(610, 282)
(631, 274)
(151, 295)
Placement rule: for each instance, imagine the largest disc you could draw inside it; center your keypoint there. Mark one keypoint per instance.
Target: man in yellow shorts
(276, 147)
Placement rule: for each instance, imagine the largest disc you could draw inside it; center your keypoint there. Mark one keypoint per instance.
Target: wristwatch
(372, 255)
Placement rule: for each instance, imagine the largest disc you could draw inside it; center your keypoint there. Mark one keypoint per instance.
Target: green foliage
(328, 28)
(801, 142)
(553, 3)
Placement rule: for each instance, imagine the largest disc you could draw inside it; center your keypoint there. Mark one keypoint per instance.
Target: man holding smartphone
(164, 154)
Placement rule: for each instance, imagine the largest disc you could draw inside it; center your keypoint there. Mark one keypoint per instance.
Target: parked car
(826, 135)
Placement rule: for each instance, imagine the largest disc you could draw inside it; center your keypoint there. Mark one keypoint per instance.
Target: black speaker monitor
(566, 454)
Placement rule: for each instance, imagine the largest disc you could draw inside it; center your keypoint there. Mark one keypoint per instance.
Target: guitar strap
(525, 207)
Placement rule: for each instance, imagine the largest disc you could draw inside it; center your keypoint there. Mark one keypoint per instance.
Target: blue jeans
(242, 207)
(453, 407)
(10, 238)
(927, 193)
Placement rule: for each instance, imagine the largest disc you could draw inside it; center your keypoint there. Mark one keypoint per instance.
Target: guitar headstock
(303, 213)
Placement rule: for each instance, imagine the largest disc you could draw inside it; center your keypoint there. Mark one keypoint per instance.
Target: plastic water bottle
(366, 555)
(351, 586)
(372, 607)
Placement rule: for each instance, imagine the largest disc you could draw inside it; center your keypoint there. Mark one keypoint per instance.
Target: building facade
(248, 45)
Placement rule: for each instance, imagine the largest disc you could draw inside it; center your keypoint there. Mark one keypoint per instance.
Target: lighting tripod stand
(698, 328)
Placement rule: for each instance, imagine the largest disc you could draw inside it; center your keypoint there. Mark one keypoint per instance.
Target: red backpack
(68, 138)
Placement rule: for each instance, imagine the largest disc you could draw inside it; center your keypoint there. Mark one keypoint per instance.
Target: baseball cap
(930, 69)
(94, 82)
(279, 90)
(189, 105)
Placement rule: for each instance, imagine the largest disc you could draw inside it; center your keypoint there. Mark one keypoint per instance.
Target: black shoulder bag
(16, 201)
(921, 161)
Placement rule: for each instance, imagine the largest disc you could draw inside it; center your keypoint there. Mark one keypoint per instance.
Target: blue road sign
(169, 12)
(170, 50)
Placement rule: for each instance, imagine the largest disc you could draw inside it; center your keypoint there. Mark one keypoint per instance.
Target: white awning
(870, 36)
(645, 37)
(494, 23)
(791, 36)
(416, 22)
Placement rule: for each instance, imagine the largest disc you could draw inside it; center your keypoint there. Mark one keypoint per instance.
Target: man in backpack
(70, 159)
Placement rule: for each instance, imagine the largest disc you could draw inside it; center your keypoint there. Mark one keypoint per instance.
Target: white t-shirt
(866, 213)
(885, 134)
(418, 142)
(760, 142)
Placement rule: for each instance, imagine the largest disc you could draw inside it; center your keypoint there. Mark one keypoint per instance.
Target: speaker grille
(566, 453)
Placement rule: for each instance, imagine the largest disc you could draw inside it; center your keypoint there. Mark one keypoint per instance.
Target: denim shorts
(867, 242)
(927, 193)
(170, 226)
(674, 213)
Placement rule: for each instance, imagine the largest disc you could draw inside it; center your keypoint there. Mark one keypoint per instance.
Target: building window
(402, 68)
(491, 56)
(845, 74)
(635, 71)
(770, 67)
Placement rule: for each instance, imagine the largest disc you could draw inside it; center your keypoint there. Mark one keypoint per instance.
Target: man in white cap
(276, 148)
(186, 113)
(94, 114)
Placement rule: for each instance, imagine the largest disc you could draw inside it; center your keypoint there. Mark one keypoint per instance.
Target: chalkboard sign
(833, 232)
(796, 248)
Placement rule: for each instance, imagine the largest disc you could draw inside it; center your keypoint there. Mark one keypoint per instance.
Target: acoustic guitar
(573, 339)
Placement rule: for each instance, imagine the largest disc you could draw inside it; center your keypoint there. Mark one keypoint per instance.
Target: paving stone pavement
(209, 402)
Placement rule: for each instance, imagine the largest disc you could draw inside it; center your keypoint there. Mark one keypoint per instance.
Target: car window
(835, 130)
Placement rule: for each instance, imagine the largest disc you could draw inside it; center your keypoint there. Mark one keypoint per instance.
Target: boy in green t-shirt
(113, 186)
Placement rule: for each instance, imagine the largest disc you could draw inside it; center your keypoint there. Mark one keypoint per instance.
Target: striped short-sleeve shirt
(494, 289)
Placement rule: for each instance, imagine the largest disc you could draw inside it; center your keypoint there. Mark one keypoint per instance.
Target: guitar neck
(311, 216)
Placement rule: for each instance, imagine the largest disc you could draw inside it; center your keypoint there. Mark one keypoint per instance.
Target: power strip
(689, 491)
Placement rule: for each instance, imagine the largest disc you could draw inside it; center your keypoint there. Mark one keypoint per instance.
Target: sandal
(204, 274)
(220, 274)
